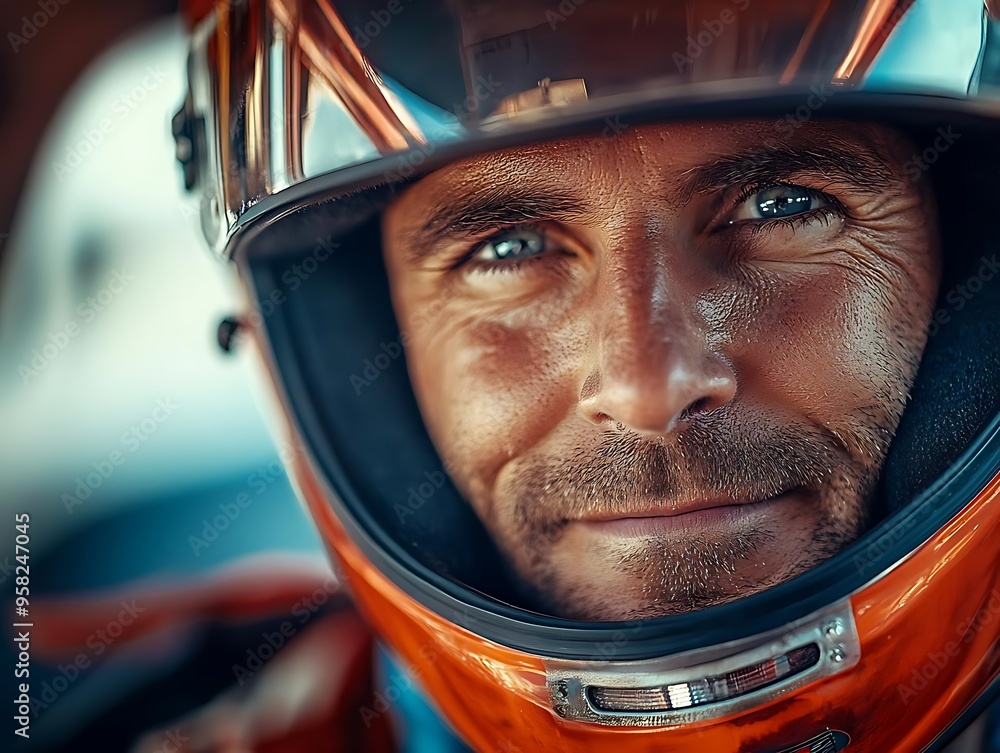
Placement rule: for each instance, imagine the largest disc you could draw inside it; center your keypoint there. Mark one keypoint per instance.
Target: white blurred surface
(121, 208)
(956, 28)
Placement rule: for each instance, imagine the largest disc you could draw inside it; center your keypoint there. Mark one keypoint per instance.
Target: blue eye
(511, 245)
(779, 201)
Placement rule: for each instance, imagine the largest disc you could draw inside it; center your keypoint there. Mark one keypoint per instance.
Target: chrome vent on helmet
(686, 695)
(706, 683)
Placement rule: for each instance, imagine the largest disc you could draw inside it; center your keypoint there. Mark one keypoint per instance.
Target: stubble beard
(659, 575)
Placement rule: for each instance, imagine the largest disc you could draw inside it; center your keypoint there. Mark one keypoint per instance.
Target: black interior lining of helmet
(356, 375)
(957, 390)
(370, 422)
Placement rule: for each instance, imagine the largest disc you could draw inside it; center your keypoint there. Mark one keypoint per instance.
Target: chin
(629, 599)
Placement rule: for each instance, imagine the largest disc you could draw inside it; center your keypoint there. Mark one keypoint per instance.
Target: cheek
(490, 390)
(832, 341)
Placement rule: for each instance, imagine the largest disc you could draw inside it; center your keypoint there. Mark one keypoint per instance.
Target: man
(643, 368)
(641, 293)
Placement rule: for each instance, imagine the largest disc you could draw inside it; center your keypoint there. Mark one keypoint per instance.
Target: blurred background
(126, 430)
(127, 433)
(109, 307)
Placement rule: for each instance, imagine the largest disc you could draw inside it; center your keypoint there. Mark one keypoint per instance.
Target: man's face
(665, 367)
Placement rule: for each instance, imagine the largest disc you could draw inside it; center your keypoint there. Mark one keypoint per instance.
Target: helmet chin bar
(708, 683)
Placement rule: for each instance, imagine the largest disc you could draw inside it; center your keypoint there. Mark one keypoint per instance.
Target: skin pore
(665, 367)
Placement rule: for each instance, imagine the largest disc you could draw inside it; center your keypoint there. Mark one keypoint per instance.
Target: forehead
(670, 151)
(673, 145)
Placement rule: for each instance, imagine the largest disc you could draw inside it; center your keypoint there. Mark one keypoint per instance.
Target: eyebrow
(861, 168)
(478, 213)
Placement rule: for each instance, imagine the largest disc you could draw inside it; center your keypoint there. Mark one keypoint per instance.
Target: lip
(725, 514)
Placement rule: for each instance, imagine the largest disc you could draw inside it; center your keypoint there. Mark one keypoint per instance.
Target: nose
(652, 370)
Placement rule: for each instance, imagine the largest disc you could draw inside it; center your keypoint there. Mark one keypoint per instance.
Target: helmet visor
(287, 90)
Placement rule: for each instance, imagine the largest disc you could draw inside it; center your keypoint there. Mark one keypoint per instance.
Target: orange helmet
(305, 119)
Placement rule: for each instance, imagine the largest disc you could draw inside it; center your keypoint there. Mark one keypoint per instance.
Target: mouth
(698, 516)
